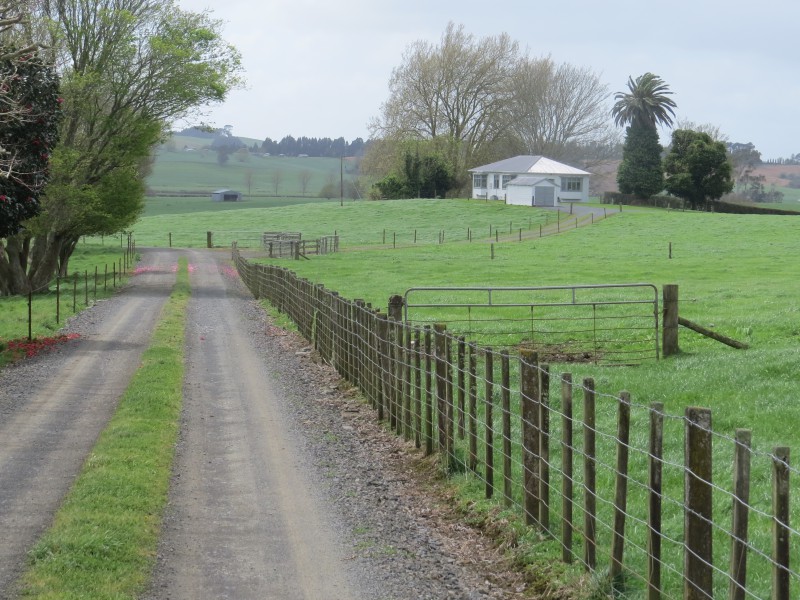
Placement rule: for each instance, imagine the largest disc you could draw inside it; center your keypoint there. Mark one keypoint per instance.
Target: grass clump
(104, 539)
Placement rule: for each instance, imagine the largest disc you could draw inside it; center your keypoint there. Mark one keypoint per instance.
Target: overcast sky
(320, 68)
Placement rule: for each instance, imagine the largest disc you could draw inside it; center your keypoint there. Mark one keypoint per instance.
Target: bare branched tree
(561, 110)
(459, 89)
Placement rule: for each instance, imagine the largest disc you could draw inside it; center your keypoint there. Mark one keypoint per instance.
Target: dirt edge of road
(483, 545)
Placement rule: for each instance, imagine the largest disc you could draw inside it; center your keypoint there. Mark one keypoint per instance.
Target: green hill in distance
(185, 166)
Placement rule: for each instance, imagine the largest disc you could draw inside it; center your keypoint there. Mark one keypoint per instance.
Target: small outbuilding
(226, 196)
(529, 190)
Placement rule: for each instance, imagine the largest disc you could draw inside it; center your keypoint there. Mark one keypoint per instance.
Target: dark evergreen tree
(640, 172)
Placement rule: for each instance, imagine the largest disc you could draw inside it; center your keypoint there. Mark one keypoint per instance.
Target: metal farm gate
(613, 324)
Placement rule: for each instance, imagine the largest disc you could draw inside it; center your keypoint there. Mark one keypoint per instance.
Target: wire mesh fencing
(658, 503)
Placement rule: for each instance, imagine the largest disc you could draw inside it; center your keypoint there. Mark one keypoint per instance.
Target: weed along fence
(646, 500)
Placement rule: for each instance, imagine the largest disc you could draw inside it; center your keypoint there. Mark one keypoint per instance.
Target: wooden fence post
(505, 401)
(698, 530)
(440, 344)
(567, 527)
(656, 449)
(417, 389)
(209, 243)
(781, 533)
(740, 514)
(408, 422)
(383, 390)
(428, 392)
(461, 383)
(473, 407)
(669, 326)
(621, 488)
(529, 398)
(589, 475)
(544, 447)
(395, 308)
(489, 421)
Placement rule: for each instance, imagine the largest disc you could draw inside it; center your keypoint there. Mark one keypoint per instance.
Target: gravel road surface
(284, 485)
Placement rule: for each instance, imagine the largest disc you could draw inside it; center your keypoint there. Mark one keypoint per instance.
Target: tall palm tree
(646, 104)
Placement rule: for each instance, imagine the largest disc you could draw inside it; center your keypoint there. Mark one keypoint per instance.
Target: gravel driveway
(284, 486)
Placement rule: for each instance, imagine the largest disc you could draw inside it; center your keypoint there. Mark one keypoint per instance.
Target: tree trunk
(44, 260)
(12, 271)
(31, 263)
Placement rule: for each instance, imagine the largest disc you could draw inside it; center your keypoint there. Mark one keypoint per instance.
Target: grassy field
(198, 172)
(90, 254)
(738, 275)
(357, 223)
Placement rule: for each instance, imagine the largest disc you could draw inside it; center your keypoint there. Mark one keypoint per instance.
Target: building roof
(531, 180)
(536, 165)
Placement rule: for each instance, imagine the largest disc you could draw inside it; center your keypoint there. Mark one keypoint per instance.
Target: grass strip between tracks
(104, 538)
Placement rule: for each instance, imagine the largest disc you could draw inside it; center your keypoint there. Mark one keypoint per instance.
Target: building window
(572, 184)
(506, 179)
(496, 181)
(478, 180)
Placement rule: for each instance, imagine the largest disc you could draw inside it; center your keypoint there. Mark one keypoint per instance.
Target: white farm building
(530, 181)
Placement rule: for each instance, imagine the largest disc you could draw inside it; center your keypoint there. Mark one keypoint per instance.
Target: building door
(544, 196)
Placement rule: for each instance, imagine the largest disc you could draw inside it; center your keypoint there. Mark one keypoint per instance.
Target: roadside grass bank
(46, 318)
(103, 541)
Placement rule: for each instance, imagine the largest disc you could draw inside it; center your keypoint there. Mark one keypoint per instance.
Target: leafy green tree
(642, 108)
(129, 69)
(698, 168)
(425, 176)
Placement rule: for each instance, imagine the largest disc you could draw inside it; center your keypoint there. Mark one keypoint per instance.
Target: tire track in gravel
(243, 520)
(50, 423)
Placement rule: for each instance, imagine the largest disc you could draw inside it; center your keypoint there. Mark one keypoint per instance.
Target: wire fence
(658, 504)
(66, 294)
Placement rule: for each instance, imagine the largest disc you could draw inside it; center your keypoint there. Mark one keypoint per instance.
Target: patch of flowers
(24, 348)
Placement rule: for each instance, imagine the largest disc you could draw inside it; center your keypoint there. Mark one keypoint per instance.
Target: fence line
(625, 488)
(79, 287)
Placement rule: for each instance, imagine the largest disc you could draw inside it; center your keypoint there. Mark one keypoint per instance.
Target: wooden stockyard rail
(630, 490)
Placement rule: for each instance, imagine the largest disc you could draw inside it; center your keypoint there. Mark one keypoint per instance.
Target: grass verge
(104, 538)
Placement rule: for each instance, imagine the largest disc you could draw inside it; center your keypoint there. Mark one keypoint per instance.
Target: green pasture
(738, 275)
(198, 172)
(361, 223)
(176, 205)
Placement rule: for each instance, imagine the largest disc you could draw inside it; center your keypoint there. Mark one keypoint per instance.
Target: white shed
(527, 190)
(226, 196)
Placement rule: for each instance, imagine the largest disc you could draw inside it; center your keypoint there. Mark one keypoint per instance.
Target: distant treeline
(326, 147)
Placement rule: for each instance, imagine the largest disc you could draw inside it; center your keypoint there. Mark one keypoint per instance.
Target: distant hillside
(186, 165)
